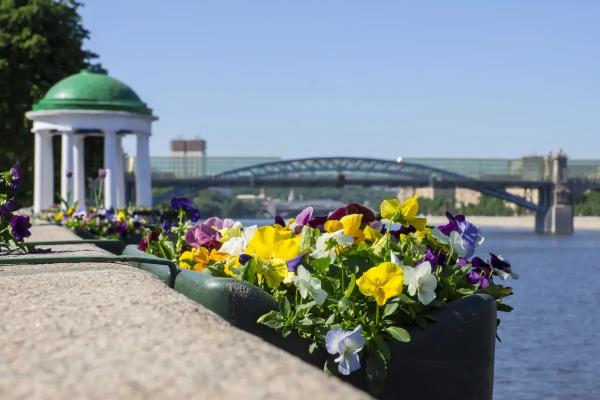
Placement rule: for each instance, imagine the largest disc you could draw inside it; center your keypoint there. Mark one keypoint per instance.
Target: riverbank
(524, 221)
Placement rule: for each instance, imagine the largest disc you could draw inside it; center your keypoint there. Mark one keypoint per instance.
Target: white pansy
(234, 246)
(237, 245)
(322, 248)
(421, 281)
(308, 285)
(395, 259)
(247, 234)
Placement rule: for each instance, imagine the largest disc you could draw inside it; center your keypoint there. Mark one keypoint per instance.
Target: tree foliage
(41, 42)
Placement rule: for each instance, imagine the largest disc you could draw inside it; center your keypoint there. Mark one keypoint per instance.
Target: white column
(79, 170)
(120, 173)
(143, 178)
(38, 165)
(109, 167)
(47, 171)
(66, 170)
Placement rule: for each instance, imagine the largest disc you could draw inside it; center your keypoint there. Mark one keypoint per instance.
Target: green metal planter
(451, 359)
(115, 249)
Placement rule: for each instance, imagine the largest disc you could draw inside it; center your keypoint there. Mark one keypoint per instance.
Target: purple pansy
(183, 203)
(16, 180)
(353, 208)
(292, 264)
(207, 233)
(244, 258)
(8, 207)
(101, 173)
(480, 273)
(317, 222)
(304, 216)
(404, 230)
(279, 220)
(153, 235)
(20, 225)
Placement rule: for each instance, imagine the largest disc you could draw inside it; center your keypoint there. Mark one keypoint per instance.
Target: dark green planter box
(451, 359)
(160, 271)
(133, 239)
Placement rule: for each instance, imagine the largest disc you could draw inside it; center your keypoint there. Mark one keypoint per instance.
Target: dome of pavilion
(90, 90)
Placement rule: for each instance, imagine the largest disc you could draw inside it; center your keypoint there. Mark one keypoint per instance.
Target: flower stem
(377, 315)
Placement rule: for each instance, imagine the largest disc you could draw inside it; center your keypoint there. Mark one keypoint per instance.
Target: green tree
(41, 42)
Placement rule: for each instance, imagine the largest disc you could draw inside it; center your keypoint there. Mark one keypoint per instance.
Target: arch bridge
(340, 171)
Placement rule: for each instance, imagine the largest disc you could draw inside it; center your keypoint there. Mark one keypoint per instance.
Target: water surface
(551, 342)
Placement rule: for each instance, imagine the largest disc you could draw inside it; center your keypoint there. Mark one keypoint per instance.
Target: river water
(550, 345)
(551, 341)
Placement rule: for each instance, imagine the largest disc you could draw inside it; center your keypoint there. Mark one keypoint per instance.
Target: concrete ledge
(99, 331)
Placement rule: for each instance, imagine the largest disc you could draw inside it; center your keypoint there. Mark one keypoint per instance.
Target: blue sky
(360, 78)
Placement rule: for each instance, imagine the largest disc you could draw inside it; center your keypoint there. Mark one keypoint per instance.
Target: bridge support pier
(557, 218)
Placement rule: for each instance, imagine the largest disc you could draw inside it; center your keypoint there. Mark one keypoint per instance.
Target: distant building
(188, 159)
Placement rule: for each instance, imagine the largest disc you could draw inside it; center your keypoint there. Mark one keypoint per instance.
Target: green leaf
(350, 288)
(306, 321)
(321, 265)
(284, 305)
(376, 374)
(249, 271)
(343, 305)
(400, 334)
(390, 308)
(329, 320)
(504, 307)
(405, 299)
(382, 349)
(312, 347)
(272, 319)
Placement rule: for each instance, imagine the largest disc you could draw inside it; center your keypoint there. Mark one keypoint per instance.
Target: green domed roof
(89, 90)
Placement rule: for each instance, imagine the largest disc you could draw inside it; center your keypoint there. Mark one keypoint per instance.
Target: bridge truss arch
(362, 171)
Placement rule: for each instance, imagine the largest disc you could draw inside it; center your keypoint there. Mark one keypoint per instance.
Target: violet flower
(502, 267)
(279, 220)
(8, 207)
(183, 203)
(207, 233)
(470, 234)
(101, 173)
(20, 225)
(347, 344)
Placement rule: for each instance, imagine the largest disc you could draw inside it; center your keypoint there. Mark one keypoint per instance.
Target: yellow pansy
(218, 256)
(371, 235)
(194, 260)
(274, 272)
(58, 216)
(404, 213)
(226, 234)
(333, 225)
(266, 242)
(351, 224)
(121, 216)
(233, 262)
(382, 282)
(273, 247)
